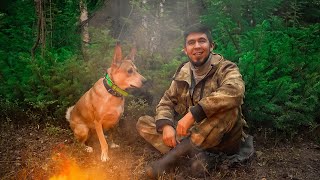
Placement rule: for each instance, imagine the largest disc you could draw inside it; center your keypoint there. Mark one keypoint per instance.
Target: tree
(278, 56)
(84, 22)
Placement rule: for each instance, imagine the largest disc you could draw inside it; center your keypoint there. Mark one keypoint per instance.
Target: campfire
(67, 168)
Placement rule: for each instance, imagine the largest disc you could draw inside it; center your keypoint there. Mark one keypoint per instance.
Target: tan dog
(101, 106)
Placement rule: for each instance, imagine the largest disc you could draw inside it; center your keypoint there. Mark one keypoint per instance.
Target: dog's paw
(114, 145)
(89, 149)
(104, 157)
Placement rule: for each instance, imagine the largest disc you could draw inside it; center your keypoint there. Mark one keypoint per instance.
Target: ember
(69, 169)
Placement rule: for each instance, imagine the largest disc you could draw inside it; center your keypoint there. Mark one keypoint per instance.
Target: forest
(53, 51)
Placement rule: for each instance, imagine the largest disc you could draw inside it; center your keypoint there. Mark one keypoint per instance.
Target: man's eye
(191, 42)
(202, 41)
(130, 71)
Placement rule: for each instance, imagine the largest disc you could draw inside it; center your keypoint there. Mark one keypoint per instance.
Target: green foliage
(10, 111)
(158, 71)
(52, 130)
(282, 88)
(62, 25)
(135, 108)
(278, 55)
(232, 18)
(46, 84)
(275, 43)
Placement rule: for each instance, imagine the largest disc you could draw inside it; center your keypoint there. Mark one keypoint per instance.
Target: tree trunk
(84, 23)
(84, 28)
(43, 28)
(40, 28)
(161, 5)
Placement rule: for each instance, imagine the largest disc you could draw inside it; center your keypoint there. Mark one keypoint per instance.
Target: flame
(68, 169)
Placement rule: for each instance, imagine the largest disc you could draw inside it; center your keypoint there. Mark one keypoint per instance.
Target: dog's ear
(117, 57)
(132, 53)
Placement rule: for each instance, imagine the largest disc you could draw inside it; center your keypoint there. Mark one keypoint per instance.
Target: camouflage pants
(146, 127)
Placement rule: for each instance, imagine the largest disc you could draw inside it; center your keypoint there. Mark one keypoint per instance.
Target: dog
(101, 107)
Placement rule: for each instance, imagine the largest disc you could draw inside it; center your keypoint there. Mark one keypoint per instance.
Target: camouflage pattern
(147, 128)
(221, 100)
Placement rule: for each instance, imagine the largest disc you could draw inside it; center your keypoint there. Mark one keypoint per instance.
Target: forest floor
(46, 151)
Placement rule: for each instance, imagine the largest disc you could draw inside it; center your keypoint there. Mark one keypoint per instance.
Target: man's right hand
(169, 136)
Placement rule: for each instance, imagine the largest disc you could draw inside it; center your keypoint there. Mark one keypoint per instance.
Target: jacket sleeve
(229, 95)
(165, 108)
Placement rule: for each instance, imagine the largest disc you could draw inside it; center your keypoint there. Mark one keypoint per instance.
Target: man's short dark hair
(198, 28)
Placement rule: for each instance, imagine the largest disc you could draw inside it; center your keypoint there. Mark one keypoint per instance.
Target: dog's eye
(130, 71)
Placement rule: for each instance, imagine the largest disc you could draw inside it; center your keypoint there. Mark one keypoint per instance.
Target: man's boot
(245, 153)
(199, 164)
(169, 159)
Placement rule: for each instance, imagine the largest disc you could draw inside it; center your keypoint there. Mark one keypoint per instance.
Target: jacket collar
(185, 72)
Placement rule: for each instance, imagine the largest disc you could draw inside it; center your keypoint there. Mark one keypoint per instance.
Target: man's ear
(212, 46)
(117, 57)
(185, 51)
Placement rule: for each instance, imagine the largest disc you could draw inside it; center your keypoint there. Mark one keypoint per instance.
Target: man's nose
(197, 45)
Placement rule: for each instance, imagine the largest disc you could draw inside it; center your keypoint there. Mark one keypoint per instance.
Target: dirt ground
(46, 151)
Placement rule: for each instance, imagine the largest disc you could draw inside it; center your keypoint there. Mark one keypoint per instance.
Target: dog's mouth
(132, 86)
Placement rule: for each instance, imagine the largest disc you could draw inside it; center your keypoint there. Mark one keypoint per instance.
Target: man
(207, 92)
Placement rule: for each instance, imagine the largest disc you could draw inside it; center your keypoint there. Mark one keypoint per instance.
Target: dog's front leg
(103, 142)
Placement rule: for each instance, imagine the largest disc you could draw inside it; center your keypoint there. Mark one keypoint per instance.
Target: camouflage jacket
(215, 102)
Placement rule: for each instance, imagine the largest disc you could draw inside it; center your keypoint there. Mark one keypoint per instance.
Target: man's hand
(169, 136)
(184, 124)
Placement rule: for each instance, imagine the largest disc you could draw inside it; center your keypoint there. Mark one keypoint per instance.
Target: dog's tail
(68, 113)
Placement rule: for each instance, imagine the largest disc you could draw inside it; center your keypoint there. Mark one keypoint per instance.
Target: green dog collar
(112, 88)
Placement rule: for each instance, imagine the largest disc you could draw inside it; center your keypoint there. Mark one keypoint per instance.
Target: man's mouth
(198, 54)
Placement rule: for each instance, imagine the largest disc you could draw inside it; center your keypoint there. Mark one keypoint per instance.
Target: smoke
(155, 26)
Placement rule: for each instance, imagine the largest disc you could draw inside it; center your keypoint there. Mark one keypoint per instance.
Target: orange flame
(68, 169)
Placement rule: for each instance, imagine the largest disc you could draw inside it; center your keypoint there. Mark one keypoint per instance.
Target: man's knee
(145, 122)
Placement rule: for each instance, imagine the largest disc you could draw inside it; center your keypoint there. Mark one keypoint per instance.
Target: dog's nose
(144, 80)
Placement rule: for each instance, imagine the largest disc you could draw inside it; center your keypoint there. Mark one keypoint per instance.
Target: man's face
(197, 48)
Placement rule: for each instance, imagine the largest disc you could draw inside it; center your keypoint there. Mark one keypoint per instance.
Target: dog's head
(123, 72)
